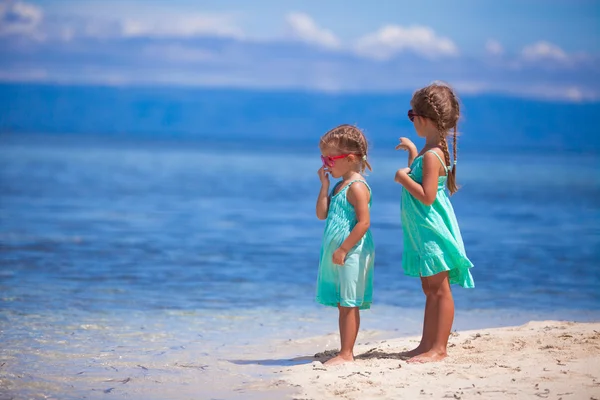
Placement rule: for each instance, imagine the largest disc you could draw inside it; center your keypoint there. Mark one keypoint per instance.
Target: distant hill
(287, 116)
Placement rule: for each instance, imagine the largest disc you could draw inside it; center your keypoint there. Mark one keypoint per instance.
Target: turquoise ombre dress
(351, 284)
(432, 240)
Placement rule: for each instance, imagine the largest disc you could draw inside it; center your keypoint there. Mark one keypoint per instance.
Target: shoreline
(540, 359)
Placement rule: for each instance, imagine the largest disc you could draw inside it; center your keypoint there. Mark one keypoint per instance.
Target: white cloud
(24, 75)
(494, 47)
(393, 39)
(17, 17)
(544, 51)
(20, 18)
(176, 52)
(67, 33)
(574, 94)
(550, 91)
(188, 49)
(184, 26)
(303, 28)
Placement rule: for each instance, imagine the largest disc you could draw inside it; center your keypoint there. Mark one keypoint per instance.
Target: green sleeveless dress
(432, 240)
(351, 284)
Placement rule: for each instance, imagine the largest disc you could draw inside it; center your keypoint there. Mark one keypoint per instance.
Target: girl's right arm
(426, 191)
(323, 199)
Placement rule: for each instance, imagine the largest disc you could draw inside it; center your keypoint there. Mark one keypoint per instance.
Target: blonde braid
(454, 149)
(439, 122)
(358, 139)
(350, 139)
(444, 146)
(451, 183)
(364, 163)
(441, 117)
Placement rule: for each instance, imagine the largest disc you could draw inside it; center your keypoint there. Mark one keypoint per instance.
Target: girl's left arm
(426, 191)
(358, 196)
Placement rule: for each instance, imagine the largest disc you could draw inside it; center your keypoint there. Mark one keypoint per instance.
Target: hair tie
(365, 157)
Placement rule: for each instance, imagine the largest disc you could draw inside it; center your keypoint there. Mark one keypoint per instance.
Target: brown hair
(349, 139)
(439, 103)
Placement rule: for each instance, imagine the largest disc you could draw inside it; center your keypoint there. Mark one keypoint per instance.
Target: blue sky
(545, 49)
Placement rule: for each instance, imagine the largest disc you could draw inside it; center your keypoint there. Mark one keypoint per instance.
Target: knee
(439, 291)
(347, 310)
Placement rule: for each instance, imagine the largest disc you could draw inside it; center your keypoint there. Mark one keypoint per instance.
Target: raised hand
(323, 176)
(406, 144)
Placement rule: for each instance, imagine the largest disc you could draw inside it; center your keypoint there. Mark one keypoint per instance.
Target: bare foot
(405, 355)
(337, 360)
(430, 356)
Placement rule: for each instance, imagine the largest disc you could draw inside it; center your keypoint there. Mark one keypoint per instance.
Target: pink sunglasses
(329, 161)
(412, 115)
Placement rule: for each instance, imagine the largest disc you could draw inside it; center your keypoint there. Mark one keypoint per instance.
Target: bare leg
(341, 327)
(349, 325)
(442, 296)
(429, 324)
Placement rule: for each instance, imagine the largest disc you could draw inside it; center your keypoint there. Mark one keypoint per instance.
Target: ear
(426, 121)
(353, 158)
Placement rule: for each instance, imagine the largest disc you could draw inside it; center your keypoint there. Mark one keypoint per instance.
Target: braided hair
(349, 139)
(439, 103)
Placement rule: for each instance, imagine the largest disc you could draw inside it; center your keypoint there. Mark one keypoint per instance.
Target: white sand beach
(538, 360)
(547, 359)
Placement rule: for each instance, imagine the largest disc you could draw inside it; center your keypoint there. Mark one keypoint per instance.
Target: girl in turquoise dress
(345, 278)
(433, 246)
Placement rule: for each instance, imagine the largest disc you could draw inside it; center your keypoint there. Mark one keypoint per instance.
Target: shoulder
(433, 160)
(358, 191)
(433, 155)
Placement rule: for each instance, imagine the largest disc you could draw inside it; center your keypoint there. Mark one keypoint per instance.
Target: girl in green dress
(433, 246)
(345, 277)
